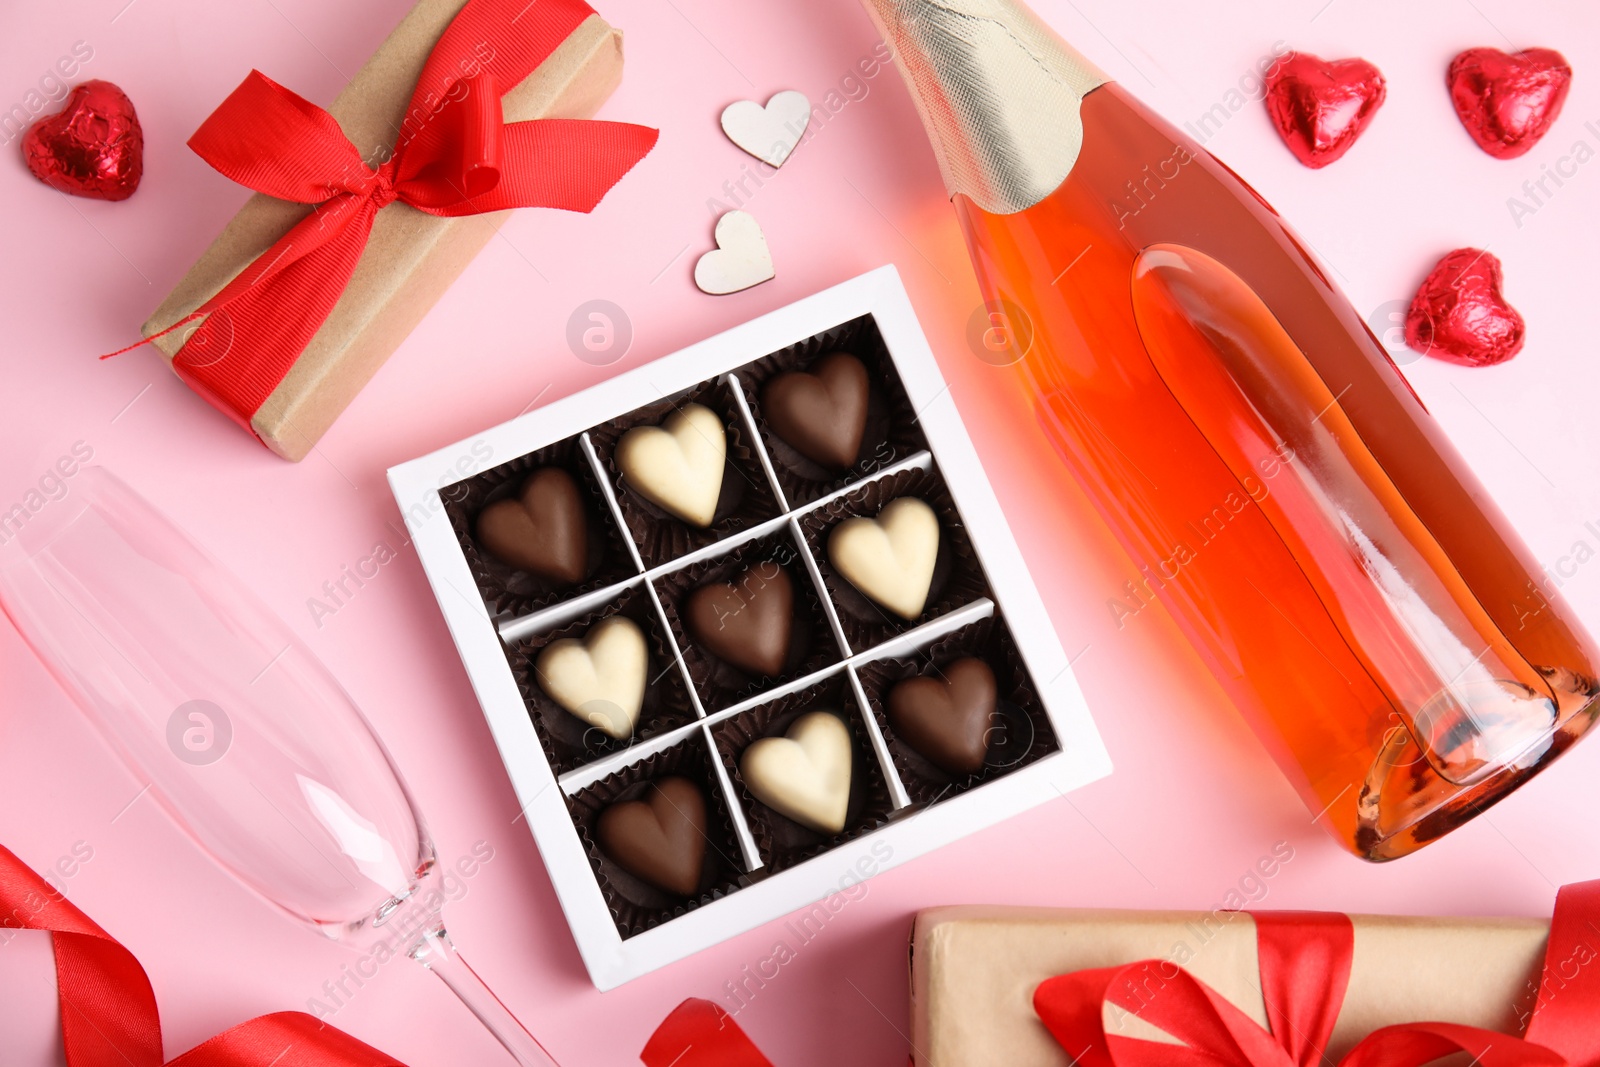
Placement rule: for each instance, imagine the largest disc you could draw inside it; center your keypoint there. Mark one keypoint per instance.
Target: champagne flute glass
(245, 739)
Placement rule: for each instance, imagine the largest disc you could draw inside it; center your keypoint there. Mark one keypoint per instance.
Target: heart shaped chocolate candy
(678, 465)
(821, 412)
(1321, 106)
(1508, 102)
(1459, 313)
(947, 718)
(601, 678)
(92, 147)
(661, 837)
(745, 621)
(543, 529)
(890, 558)
(805, 774)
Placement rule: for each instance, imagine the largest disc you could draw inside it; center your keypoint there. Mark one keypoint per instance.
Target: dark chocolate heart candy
(543, 529)
(947, 718)
(661, 837)
(821, 412)
(745, 621)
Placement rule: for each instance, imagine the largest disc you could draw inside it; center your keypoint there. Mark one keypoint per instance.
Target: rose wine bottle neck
(998, 91)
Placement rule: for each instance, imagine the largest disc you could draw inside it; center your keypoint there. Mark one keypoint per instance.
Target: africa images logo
(199, 732)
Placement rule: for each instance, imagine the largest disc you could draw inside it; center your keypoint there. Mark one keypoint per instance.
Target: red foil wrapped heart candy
(1508, 102)
(92, 147)
(1459, 315)
(1321, 106)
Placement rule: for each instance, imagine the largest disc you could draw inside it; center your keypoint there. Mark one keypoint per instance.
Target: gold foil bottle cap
(998, 91)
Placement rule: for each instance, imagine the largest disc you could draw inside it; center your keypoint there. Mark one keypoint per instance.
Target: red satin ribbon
(699, 1033)
(1304, 969)
(108, 1010)
(454, 155)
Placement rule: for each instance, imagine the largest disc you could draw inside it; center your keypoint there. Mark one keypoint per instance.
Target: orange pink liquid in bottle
(1289, 498)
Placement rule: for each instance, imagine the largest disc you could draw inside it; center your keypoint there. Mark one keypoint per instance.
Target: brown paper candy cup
(891, 433)
(637, 905)
(747, 499)
(568, 741)
(782, 841)
(507, 589)
(1019, 733)
(812, 645)
(958, 577)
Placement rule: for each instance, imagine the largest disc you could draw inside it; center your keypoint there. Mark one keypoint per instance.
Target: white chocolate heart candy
(740, 260)
(678, 465)
(601, 678)
(769, 133)
(889, 558)
(804, 775)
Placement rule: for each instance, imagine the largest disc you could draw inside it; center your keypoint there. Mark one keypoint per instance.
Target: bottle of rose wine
(1283, 491)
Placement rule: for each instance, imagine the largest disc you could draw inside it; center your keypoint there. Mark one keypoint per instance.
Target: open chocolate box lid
(776, 509)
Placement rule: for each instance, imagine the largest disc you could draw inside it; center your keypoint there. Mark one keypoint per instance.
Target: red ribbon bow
(108, 1010)
(454, 155)
(1304, 967)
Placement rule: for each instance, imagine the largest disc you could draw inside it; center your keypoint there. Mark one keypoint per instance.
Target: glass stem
(435, 952)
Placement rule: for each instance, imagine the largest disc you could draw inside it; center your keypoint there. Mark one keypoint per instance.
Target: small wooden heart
(739, 261)
(543, 529)
(947, 718)
(745, 621)
(769, 133)
(821, 412)
(661, 837)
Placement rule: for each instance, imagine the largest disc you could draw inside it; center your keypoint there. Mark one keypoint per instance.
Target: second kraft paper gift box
(412, 257)
(975, 970)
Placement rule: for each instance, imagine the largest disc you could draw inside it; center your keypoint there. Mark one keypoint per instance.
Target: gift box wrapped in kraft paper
(1024, 987)
(366, 213)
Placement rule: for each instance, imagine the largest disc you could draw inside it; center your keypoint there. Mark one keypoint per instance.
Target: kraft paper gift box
(412, 257)
(974, 971)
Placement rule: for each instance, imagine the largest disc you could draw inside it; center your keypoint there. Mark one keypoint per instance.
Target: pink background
(1194, 801)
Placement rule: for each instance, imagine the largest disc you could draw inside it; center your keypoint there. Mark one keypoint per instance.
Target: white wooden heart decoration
(601, 678)
(678, 465)
(804, 774)
(890, 558)
(769, 133)
(740, 259)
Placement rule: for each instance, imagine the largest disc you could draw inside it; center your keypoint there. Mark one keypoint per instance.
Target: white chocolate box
(905, 812)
